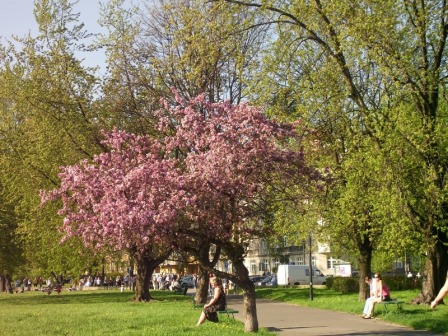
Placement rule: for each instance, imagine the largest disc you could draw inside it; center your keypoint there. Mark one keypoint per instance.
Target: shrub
(351, 284)
(344, 285)
(329, 282)
(402, 283)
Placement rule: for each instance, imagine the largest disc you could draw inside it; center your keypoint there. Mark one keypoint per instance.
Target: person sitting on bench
(218, 302)
(382, 293)
(372, 290)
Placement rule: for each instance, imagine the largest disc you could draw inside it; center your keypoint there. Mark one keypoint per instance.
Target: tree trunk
(205, 266)
(2, 283)
(250, 304)
(202, 286)
(365, 270)
(365, 249)
(434, 274)
(145, 268)
(8, 284)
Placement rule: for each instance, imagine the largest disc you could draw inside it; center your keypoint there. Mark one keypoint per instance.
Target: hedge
(351, 284)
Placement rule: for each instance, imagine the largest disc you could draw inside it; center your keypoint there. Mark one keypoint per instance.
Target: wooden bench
(229, 312)
(396, 302)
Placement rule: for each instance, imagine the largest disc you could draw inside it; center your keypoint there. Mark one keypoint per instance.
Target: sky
(17, 17)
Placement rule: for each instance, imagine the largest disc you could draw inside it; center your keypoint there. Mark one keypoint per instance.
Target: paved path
(289, 320)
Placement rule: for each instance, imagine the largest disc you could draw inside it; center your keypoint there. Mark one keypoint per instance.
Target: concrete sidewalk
(289, 320)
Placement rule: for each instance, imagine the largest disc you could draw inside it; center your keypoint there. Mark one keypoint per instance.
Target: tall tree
(193, 47)
(339, 112)
(380, 38)
(230, 155)
(204, 182)
(412, 51)
(122, 199)
(188, 46)
(47, 121)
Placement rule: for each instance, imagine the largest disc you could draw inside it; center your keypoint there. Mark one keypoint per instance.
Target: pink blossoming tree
(122, 199)
(231, 159)
(205, 181)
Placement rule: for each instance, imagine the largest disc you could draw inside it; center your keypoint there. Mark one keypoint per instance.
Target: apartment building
(262, 258)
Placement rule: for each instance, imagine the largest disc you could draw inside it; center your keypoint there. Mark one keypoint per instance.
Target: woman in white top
(372, 289)
(381, 294)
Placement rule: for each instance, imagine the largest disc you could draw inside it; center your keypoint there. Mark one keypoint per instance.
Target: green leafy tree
(383, 64)
(47, 120)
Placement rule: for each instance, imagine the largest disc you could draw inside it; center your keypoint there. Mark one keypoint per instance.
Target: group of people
(128, 281)
(168, 281)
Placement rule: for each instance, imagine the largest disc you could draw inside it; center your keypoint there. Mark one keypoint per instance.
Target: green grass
(110, 312)
(107, 312)
(419, 317)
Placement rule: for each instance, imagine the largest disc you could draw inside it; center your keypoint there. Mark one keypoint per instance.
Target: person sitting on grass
(217, 302)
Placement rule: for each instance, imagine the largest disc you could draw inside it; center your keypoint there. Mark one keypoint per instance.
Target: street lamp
(311, 270)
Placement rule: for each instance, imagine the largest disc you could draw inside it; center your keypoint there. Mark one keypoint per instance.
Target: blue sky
(16, 17)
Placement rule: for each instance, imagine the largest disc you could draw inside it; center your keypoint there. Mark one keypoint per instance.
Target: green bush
(394, 283)
(329, 282)
(344, 285)
(402, 283)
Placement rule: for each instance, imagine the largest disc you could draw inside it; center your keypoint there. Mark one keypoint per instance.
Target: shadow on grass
(416, 317)
(437, 325)
(293, 293)
(425, 320)
(85, 297)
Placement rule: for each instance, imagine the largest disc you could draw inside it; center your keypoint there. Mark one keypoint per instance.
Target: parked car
(272, 282)
(256, 278)
(188, 281)
(263, 281)
(269, 281)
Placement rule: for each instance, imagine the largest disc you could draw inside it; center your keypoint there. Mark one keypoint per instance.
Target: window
(253, 266)
(251, 245)
(300, 261)
(263, 266)
(263, 246)
(307, 272)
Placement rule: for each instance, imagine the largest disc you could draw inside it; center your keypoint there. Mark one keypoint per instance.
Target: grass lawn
(414, 316)
(110, 312)
(107, 312)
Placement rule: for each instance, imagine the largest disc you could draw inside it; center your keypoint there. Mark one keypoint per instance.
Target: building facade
(262, 258)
